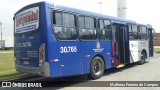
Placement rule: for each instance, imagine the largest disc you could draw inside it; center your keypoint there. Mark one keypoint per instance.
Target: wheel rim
(97, 68)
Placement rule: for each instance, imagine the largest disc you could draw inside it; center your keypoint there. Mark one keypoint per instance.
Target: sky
(141, 11)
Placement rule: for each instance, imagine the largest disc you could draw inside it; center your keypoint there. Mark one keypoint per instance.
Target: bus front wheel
(96, 68)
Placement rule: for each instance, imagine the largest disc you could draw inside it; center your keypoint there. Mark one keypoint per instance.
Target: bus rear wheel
(96, 68)
(143, 58)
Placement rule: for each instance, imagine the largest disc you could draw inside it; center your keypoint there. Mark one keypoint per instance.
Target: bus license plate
(26, 62)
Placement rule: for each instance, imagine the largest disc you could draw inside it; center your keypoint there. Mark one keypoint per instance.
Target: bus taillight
(41, 54)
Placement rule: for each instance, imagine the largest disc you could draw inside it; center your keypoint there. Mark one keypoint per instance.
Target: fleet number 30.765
(68, 49)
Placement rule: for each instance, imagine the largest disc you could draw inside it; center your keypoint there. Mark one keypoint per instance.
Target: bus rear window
(27, 20)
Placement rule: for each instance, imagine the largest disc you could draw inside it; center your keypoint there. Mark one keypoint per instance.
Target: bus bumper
(43, 70)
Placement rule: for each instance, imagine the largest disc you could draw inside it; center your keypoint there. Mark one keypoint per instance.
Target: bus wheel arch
(97, 67)
(145, 52)
(98, 55)
(143, 57)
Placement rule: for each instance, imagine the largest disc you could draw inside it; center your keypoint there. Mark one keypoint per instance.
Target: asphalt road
(150, 71)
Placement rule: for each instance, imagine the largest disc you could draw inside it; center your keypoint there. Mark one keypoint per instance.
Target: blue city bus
(56, 41)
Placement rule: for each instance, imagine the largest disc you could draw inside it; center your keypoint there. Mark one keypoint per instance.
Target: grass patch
(7, 67)
(157, 50)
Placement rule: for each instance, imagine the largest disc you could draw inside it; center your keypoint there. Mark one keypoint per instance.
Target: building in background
(157, 39)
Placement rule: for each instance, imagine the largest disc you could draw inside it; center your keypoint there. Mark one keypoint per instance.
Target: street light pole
(100, 3)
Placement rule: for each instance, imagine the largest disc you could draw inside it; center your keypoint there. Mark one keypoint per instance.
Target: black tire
(143, 58)
(96, 68)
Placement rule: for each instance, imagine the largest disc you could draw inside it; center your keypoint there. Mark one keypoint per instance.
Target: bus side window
(58, 19)
(143, 33)
(64, 26)
(87, 29)
(81, 22)
(105, 29)
(133, 32)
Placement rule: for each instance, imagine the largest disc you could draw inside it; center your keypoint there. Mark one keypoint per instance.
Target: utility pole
(100, 3)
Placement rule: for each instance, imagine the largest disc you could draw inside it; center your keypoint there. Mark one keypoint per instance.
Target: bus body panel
(87, 54)
(134, 51)
(35, 38)
(143, 45)
(69, 56)
(27, 43)
(51, 43)
(136, 48)
(92, 48)
(27, 50)
(107, 53)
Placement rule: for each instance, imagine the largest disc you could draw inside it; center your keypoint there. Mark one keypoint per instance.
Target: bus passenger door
(120, 42)
(123, 44)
